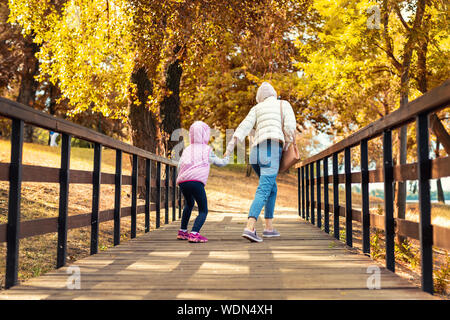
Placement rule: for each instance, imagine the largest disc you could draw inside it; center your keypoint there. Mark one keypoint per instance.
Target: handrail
(431, 101)
(16, 173)
(12, 109)
(311, 180)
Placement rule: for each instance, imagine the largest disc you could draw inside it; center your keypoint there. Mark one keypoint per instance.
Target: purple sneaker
(251, 236)
(271, 234)
(182, 235)
(197, 238)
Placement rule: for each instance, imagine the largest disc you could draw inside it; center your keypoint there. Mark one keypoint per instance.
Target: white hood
(264, 91)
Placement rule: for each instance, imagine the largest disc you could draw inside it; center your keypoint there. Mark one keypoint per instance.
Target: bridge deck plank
(304, 263)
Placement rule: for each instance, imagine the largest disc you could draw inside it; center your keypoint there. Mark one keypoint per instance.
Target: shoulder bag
(290, 156)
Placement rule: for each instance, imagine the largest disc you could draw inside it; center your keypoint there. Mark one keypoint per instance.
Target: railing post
(307, 191)
(299, 204)
(319, 205)
(166, 195)
(174, 193)
(158, 194)
(425, 227)
(326, 209)
(63, 200)
(117, 196)
(303, 192)
(335, 196)
(96, 179)
(388, 199)
(365, 197)
(311, 166)
(348, 197)
(134, 185)
(15, 185)
(148, 188)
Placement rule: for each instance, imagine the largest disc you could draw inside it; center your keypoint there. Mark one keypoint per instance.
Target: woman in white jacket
(265, 155)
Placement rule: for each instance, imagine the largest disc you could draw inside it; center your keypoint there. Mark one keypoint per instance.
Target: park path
(304, 263)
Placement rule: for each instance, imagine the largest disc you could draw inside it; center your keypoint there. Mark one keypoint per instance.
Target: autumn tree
(345, 78)
(431, 70)
(124, 58)
(261, 49)
(359, 69)
(18, 63)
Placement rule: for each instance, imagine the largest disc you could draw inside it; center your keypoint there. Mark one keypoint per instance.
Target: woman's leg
(202, 203)
(269, 208)
(251, 221)
(268, 155)
(187, 210)
(264, 190)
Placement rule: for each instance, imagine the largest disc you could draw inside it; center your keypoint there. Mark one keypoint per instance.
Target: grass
(228, 190)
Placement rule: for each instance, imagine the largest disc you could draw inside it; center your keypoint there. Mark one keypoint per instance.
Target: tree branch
(439, 131)
(400, 16)
(395, 62)
(388, 41)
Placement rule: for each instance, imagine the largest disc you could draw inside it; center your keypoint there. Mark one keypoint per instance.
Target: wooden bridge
(304, 263)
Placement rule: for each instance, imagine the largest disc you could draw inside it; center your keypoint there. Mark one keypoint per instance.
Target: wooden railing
(16, 173)
(425, 169)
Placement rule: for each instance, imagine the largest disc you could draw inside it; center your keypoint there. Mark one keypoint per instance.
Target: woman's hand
(230, 147)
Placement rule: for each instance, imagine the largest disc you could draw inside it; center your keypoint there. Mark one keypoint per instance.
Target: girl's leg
(187, 210)
(199, 195)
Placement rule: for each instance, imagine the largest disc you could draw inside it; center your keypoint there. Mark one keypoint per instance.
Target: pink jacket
(194, 161)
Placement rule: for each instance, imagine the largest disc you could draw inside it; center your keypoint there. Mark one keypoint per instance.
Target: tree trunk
(145, 132)
(440, 190)
(400, 199)
(52, 104)
(440, 132)
(28, 85)
(170, 106)
(435, 124)
(248, 171)
(144, 125)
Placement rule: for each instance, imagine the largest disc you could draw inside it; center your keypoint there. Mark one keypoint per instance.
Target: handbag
(290, 156)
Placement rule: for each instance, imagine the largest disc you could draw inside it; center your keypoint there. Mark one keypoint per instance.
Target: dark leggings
(194, 191)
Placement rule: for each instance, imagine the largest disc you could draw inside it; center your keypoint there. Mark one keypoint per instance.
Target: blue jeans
(265, 159)
(194, 191)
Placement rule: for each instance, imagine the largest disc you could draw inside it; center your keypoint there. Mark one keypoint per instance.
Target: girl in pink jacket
(193, 172)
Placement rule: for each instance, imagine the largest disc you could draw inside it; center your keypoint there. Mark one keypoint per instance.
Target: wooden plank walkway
(304, 263)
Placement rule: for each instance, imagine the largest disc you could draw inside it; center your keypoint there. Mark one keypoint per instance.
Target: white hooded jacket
(266, 115)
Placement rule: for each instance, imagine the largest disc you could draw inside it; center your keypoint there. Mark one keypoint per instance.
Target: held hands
(230, 147)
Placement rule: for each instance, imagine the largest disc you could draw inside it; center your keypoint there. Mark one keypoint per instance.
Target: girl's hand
(230, 147)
